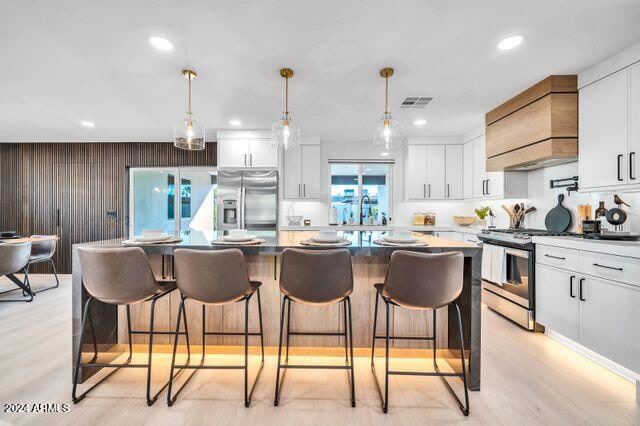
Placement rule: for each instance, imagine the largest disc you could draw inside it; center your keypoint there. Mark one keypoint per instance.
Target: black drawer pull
(620, 167)
(631, 166)
(555, 257)
(571, 286)
(607, 267)
(580, 289)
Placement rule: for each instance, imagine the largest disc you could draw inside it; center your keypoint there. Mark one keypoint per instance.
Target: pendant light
(387, 135)
(285, 132)
(188, 133)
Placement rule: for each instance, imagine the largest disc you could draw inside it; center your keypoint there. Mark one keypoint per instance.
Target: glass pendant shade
(285, 132)
(387, 135)
(189, 134)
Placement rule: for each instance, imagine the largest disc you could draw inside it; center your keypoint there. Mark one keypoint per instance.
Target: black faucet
(361, 205)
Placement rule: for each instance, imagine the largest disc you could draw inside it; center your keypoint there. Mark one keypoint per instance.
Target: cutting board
(559, 218)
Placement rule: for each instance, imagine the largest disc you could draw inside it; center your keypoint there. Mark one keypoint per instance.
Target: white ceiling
(65, 61)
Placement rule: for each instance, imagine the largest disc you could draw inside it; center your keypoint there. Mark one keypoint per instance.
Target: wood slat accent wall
(82, 180)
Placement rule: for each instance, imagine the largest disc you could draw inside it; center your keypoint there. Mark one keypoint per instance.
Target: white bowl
(151, 232)
(237, 233)
(239, 238)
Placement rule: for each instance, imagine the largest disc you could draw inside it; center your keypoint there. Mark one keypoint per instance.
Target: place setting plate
(401, 240)
(151, 237)
(237, 237)
(326, 240)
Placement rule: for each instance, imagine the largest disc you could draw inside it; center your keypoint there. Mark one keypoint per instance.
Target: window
(156, 203)
(361, 184)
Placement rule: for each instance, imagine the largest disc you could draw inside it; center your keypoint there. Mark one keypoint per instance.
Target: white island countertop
(619, 248)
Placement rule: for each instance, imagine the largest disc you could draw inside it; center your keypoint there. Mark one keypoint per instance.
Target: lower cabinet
(599, 314)
(557, 301)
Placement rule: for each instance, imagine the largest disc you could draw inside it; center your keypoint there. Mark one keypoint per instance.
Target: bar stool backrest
(14, 257)
(117, 275)
(43, 249)
(212, 276)
(316, 276)
(424, 280)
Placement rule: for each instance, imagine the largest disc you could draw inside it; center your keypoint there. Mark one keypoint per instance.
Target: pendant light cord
(386, 95)
(286, 95)
(189, 111)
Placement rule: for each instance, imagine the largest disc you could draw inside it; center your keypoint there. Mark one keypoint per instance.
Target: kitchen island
(369, 267)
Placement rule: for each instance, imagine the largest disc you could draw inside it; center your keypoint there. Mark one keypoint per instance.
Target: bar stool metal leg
(276, 400)
(373, 334)
(385, 405)
(353, 380)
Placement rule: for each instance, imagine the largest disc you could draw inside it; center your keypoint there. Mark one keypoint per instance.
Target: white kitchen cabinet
(493, 185)
(436, 172)
(603, 129)
(246, 149)
(467, 170)
(416, 172)
(479, 167)
(609, 319)
(596, 311)
(232, 153)
(634, 124)
(557, 300)
(433, 172)
(301, 172)
(453, 169)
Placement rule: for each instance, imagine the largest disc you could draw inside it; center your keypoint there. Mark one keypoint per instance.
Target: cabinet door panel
(634, 123)
(291, 173)
(603, 132)
(453, 181)
(262, 153)
(609, 319)
(310, 171)
(416, 172)
(435, 172)
(467, 170)
(479, 167)
(555, 308)
(495, 184)
(233, 153)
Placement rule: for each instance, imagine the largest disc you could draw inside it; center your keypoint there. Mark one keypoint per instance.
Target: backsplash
(540, 196)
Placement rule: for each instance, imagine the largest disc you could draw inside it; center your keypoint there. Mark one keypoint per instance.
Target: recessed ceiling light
(420, 122)
(510, 42)
(385, 154)
(235, 122)
(88, 124)
(161, 43)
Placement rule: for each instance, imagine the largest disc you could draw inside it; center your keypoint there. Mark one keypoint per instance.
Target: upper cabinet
(609, 118)
(492, 185)
(246, 149)
(536, 128)
(467, 170)
(433, 172)
(604, 132)
(301, 171)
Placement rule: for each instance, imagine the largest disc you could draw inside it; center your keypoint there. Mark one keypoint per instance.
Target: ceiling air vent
(416, 101)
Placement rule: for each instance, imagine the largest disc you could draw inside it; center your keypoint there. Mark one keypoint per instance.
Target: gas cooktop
(519, 236)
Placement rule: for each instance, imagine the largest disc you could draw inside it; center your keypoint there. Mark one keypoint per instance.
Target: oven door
(515, 284)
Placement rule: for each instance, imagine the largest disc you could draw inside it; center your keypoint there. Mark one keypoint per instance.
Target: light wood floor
(526, 379)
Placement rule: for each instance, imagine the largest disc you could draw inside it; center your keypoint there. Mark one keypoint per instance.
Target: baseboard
(613, 366)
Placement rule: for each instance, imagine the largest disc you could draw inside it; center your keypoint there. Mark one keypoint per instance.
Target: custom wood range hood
(537, 128)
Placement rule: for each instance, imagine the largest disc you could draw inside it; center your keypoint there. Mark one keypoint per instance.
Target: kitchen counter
(618, 248)
(414, 228)
(370, 262)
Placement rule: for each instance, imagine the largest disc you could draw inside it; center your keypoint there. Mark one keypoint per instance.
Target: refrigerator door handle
(243, 207)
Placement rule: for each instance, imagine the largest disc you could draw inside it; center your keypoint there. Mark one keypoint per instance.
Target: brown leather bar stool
(43, 247)
(318, 278)
(216, 278)
(14, 257)
(120, 276)
(421, 281)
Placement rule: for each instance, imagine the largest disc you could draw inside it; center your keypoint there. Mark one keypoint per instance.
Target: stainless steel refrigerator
(248, 199)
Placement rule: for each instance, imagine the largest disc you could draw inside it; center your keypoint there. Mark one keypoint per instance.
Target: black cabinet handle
(631, 164)
(483, 192)
(58, 218)
(448, 191)
(555, 257)
(580, 290)
(429, 189)
(488, 187)
(607, 267)
(251, 159)
(424, 190)
(573, 277)
(620, 168)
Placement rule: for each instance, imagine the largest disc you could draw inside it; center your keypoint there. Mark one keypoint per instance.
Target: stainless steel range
(508, 272)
